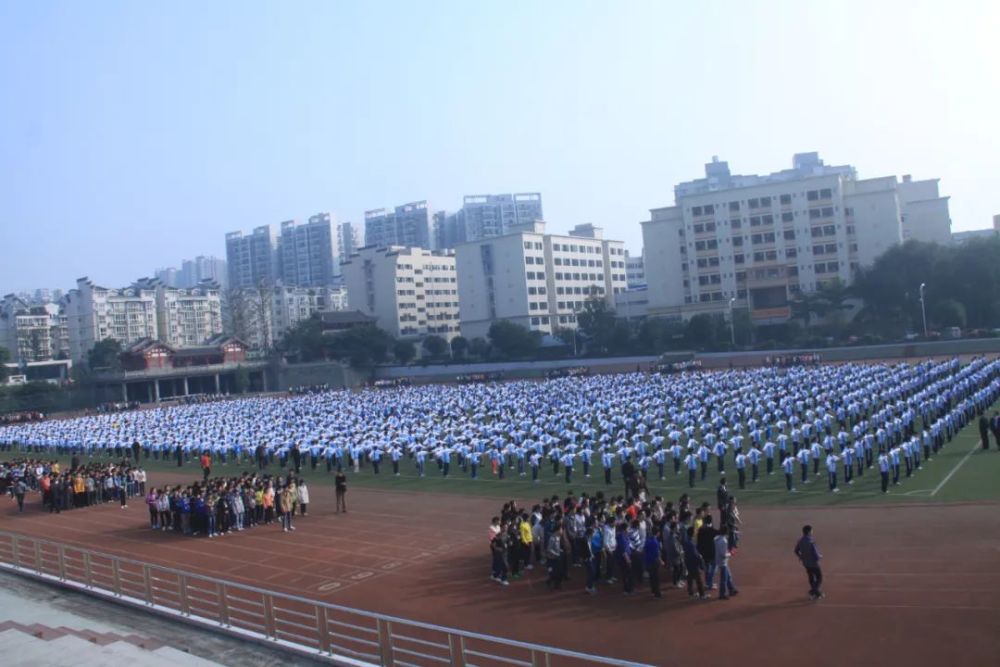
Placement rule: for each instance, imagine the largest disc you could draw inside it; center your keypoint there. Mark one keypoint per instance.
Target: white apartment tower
(187, 316)
(32, 332)
(407, 225)
(94, 313)
(761, 240)
(534, 279)
(412, 291)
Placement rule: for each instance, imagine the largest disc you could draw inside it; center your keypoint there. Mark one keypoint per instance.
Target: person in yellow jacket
(524, 528)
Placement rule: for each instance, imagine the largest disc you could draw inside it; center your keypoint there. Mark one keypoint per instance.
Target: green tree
(949, 313)
(105, 355)
(459, 347)
(404, 351)
(435, 346)
(306, 340)
(362, 346)
(598, 325)
(702, 331)
(479, 347)
(513, 341)
(4, 359)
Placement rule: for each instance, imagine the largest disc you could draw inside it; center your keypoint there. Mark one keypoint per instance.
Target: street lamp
(732, 321)
(923, 309)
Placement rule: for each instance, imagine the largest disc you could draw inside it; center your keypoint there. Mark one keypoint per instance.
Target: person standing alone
(340, 487)
(809, 556)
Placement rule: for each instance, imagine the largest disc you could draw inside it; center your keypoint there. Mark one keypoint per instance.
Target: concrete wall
(528, 369)
(320, 372)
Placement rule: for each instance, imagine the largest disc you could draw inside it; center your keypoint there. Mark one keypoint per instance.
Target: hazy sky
(135, 134)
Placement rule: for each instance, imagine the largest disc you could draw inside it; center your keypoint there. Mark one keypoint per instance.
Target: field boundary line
(955, 469)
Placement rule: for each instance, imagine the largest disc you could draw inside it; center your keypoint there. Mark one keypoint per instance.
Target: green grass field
(961, 472)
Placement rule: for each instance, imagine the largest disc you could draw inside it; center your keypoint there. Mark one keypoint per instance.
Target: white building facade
(534, 279)
(412, 291)
(187, 317)
(94, 313)
(32, 332)
(761, 240)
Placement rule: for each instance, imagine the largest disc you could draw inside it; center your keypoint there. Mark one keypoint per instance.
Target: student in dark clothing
(652, 557)
(809, 556)
(694, 564)
(705, 542)
(984, 431)
(340, 487)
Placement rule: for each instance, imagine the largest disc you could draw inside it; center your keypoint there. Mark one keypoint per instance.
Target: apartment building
(94, 313)
(306, 252)
(412, 292)
(408, 225)
(761, 240)
(32, 331)
(251, 258)
(485, 216)
(187, 316)
(538, 280)
(347, 241)
(635, 270)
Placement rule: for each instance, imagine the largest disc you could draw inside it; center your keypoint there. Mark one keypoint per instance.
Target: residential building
(762, 239)
(633, 303)
(94, 313)
(261, 317)
(251, 258)
(925, 212)
(307, 252)
(168, 275)
(32, 332)
(408, 225)
(347, 241)
(448, 230)
(485, 216)
(962, 237)
(186, 316)
(194, 271)
(412, 292)
(534, 279)
(635, 270)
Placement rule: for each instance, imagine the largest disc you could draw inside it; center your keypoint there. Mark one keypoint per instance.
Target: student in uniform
(788, 465)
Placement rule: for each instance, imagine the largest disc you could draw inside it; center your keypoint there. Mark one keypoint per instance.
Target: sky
(136, 134)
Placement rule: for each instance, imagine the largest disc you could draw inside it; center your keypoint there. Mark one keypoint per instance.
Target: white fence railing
(339, 634)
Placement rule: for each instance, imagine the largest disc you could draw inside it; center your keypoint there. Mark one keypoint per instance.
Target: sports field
(961, 472)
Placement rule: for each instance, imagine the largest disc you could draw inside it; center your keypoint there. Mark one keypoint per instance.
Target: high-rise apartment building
(412, 292)
(251, 258)
(307, 255)
(32, 331)
(408, 225)
(185, 316)
(538, 280)
(347, 241)
(201, 268)
(761, 240)
(485, 216)
(94, 313)
(448, 230)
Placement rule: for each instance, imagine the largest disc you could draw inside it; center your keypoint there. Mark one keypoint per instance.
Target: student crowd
(834, 420)
(74, 487)
(218, 506)
(620, 538)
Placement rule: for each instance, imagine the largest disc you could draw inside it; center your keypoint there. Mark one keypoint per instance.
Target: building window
(787, 216)
(785, 200)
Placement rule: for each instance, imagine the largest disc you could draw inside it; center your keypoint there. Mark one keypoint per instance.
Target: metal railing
(339, 634)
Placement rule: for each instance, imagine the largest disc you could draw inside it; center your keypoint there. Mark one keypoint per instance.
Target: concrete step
(36, 645)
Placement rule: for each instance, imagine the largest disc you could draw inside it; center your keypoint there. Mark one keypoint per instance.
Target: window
(829, 230)
(527, 245)
(698, 229)
(741, 276)
(787, 216)
(734, 206)
(735, 223)
(793, 271)
(767, 219)
(791, 253)
(765, 202)
(785, 200)
(812, 195)
(755, 221)
(753, 203)
(789, 234)
(709, 226)
(825, 193)
(709, 209)
(737, 241)
(739, 258)
(696, 210)
(827, 211)
(815, 213)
